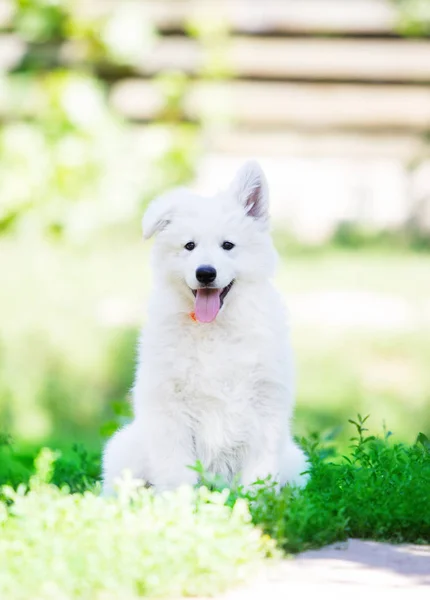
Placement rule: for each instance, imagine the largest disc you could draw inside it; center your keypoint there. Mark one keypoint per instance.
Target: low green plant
(54, 544)
(380, 491)
(78, 468)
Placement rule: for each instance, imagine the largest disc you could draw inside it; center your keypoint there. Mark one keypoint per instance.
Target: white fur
(219, 392)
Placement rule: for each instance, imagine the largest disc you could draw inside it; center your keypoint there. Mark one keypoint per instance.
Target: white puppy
(214, 380)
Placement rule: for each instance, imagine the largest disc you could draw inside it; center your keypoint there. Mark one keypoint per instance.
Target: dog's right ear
(249, 187)
(160, 212)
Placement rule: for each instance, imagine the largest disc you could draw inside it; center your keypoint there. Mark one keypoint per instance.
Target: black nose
(205, 274)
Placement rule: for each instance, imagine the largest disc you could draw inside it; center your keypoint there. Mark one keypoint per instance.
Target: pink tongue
(207, 305)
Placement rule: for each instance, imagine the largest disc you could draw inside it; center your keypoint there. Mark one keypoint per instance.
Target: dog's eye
(190, 246)
(227, 246)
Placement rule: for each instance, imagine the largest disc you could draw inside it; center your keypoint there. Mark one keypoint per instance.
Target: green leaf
(423, 440)
(109, 428)
(122, 408)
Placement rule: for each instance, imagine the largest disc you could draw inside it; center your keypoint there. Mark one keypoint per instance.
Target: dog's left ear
(160, 212)
(250, 188)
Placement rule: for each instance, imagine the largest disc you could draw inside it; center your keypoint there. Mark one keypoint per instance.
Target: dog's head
(206, 246)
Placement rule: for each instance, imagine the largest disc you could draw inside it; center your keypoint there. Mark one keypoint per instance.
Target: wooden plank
(358, 145)
(369, 17)
(350, 17)
(289, 142)
(303, 58)
(362, 60)
(388, 60)
(309, 106)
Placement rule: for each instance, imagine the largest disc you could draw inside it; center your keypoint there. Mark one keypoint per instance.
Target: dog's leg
(171, 447)
(285, 467)
(262, 458)
(260, 467)
(124, 451)
(293, 465)
(156, 449)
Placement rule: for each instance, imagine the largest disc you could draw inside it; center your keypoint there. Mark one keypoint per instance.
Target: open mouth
(209, 301)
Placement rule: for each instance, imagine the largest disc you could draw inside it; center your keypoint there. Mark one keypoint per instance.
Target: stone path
(355, 569)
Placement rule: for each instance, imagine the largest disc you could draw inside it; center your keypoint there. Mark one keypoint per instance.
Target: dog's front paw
(295, 467)
(169, 481)
(262, 472)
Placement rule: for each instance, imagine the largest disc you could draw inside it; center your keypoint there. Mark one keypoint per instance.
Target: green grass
(65, 541)
(376, 481)
(369, 350)
(380, 491)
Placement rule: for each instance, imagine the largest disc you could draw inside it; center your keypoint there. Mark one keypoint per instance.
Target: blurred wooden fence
(325, 93)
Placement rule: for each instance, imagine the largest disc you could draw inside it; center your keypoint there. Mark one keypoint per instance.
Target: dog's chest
(216, 369)
(225, 382)
(221, 402)
(222, 383)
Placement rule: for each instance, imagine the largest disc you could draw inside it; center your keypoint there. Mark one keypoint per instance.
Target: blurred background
(105, 103)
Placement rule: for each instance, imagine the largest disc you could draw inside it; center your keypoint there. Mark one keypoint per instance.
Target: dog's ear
(160, 211)
(250, 188)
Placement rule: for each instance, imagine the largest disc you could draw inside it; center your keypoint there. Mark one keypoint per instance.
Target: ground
(355, 566)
